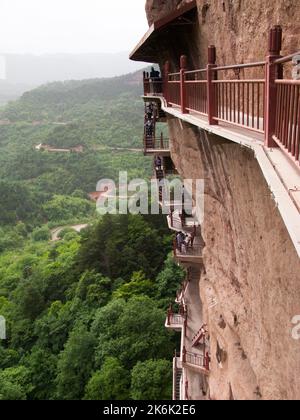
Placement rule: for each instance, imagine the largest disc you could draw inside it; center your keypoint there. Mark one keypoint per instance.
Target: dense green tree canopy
(152, 380)
(85, 313)
(110, 383)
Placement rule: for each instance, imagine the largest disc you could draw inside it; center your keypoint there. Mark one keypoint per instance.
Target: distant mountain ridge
(35, 70)
(75, 99)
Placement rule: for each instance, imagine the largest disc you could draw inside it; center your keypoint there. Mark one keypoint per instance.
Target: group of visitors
(149, 122)
(154, 74)
(183, 242)
(158, 163)
(155, 82)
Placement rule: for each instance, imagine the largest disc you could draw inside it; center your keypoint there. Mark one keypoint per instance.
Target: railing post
(207, 362)
(273, 72)
(204, 352)
(166, 82)
(175, 247)
(170, 313)
(187, 391)
(144, 82)
(211, 75)
(183, 97)
(184, 354)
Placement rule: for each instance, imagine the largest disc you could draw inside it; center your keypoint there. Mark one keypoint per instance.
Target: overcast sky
(70, 26)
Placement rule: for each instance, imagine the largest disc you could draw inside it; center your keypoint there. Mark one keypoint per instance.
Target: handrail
(240, 66)
(202, 361)
(286, 59)
(269, 105)
(239, 81)
(196, 71)
(287, 82)
(176, 319)
(194, 81)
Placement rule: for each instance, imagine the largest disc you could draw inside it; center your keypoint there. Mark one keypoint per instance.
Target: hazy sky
(70, 26)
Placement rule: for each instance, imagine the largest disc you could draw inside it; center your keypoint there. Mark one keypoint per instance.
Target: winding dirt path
(56, 231)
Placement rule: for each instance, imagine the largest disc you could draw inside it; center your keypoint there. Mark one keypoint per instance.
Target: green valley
(85, 314)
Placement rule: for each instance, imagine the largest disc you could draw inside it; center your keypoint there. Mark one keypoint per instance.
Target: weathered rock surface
(238, 28)
(251, 286)
(156, 9)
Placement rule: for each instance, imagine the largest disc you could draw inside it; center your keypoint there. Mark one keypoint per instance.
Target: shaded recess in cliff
(168, 35)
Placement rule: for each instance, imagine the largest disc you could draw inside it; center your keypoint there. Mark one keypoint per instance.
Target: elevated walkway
(177, 379)
(280, 172)
(194, 360)
(189, 254)
(177, 223)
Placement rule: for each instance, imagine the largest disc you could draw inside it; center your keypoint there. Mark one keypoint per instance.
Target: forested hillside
(102, 115)
(85, 314)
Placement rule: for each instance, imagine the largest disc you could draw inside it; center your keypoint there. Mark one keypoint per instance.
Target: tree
(53, 327)
(109, 383)
(93, 289)
(41, 365)
(15, 383)
(30, 297)
(75, 364)
(131, 331)
(120, 245)
(138, 286)
(63, 208)
(169, 279)
(152, 380)
(41, 234)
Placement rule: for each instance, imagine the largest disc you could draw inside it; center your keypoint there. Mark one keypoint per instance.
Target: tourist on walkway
(158, 163)
(149, 111)
(149, 128)
(154, 73)
(179, 241)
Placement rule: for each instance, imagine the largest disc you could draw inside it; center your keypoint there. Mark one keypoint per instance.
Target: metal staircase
(178, 377)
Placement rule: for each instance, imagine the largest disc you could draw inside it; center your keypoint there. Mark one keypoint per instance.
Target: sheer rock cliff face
(251, 286)
(156, 9)
(238, 28)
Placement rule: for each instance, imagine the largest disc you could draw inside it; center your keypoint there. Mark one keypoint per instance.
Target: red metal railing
(156, 143)
(175, 319)
(201, 334)
(287, 127)
(178, 319)
(174, 97)
(153, 86)
(238, 102)
(196, 359)
(267, 104)
(241, 103)
(196, 91)
(180, 294)
(146, 82)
